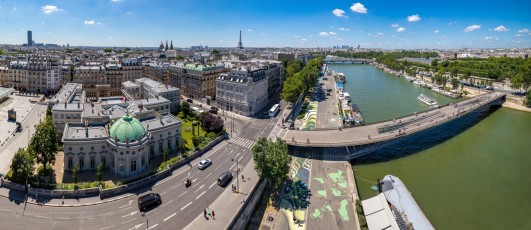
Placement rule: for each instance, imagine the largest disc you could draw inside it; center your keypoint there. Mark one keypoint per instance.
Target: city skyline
(389, 24)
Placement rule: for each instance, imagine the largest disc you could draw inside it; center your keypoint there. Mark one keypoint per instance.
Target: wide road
(180, 205)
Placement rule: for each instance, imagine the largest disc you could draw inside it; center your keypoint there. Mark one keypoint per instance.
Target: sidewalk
(227, 205)
(19, 196)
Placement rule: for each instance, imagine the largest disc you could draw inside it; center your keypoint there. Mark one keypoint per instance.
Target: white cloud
(264, 34)
(48, 9)
(89, 22)
(358, 8)
(296, 36)
(249, 30)
(472, 28)
(451, 23)
(343, 29)
(501, 29)
(523, 31)
(401, 29)
(128, 13)
(491, 38)
(436, 31)
(332, 33)
(394, 25)
(324, 34)
(116, 0)
(339, 13)
(413, 18)
(303, 39)
(520, 35)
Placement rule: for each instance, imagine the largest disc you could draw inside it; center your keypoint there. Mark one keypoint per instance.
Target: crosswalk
(243, 142)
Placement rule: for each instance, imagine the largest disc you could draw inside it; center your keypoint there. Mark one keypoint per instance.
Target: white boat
(428, 100)
(341, 77)
(406, 210)
(417, 82)
(346, 96)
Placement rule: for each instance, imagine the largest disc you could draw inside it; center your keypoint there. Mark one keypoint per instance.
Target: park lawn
(187, 135)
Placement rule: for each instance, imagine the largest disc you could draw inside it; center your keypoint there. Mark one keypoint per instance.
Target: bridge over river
(365, 139)
(341, 60)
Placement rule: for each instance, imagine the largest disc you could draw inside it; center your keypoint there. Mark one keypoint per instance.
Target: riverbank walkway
(387, 130)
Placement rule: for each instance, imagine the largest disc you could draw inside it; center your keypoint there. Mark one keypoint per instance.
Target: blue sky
(376, 23)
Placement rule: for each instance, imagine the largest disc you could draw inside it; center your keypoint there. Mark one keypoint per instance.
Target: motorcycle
(187, 183)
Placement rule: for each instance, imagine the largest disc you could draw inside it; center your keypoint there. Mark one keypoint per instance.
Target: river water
(478, 179)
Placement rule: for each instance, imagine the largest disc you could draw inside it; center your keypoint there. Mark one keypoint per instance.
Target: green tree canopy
(21, 166)
(43, 144)
(107, 50)
(271, 160)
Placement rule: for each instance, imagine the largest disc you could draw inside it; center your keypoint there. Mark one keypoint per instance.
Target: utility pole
(237, 175)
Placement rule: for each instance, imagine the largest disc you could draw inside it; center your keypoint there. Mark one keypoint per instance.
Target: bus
(274, 110)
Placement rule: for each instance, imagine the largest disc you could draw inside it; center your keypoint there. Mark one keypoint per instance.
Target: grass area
(187, 133)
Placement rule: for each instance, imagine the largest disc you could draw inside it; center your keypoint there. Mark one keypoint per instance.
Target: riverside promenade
(391, 129)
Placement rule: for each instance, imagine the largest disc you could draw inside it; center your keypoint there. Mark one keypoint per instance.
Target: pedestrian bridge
(362, 140)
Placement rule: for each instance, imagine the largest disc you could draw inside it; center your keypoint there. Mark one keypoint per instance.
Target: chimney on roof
(86, 128)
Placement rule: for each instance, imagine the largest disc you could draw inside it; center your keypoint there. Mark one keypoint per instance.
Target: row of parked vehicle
(153, 199)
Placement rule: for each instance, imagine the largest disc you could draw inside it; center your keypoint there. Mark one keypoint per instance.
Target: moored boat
(427, 100)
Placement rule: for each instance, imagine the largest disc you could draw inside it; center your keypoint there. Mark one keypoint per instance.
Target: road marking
(128, 221)
(194, 179)
(231, 151)
(62, 218)
(199, 188)
(131, 201)
(44, 217)
(163, 193)
(182, 194)
(231, 167)
(209, 174)
(167, 203)
(106, 214)
(200, 195)
(153, 226)
(124, 209)
(112, 226)
(84, 217)
(174, 187)
(217, 168)
(240, 159)
(211, 185)
(136, 226)
(130, 214)
(186, 205)
(237, 155)
(167, 218)
(5, 210)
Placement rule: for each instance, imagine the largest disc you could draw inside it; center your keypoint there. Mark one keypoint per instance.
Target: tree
(75, 171)
(107, 50)
(164, 154)
(271, 160)
(99, 171)
(197, 140)
(454, 83)
(212, 123)
(21, 166)
(185, 107)
(179, 57)
(527, 100)
(44, 143)
(215, 51)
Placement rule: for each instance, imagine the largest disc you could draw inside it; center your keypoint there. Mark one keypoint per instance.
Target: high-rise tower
(30, 38)
(240, 46)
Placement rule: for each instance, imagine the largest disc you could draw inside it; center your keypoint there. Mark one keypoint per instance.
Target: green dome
(127, 128)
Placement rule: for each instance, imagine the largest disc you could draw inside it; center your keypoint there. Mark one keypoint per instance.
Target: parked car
(224, 179)
(204, 164)
(190, 100)
(148, 200)
(213, 111)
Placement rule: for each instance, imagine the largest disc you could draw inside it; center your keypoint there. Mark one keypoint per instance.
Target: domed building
(125, 145)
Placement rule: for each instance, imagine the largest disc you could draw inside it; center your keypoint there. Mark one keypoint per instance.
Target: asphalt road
(180, 205)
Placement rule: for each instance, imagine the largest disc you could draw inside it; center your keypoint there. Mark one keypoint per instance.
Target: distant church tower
(171, 45)
(166, 48)
(161, 47)
(240, 46)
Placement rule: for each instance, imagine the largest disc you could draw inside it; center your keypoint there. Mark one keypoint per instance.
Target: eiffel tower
(240, 46)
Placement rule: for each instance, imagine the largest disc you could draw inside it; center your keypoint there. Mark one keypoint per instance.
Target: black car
(213, 111)
(148, 200)
(190, 100)
(224, 179)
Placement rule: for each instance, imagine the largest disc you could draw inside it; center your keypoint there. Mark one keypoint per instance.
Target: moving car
(204, 164)
(224, 179)
(148, 200)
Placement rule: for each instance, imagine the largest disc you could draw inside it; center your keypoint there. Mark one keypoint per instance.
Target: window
(169, 144)
(70, 162)
(81, 162)
(143, 159)
(92, 148)
(160, 147)
(103, 161)
(152, 151)
(112, 160)
(121, 166)
(133, 166)
(92, 162)
(80, 148)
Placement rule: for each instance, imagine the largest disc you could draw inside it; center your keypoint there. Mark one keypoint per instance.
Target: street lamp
(237, 175)
(232, 126)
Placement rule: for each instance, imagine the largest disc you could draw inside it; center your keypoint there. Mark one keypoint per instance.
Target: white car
(204, 164)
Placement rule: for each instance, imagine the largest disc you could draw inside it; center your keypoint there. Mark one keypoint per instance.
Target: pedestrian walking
(213, 215)
(243, 178)
(204, 213)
